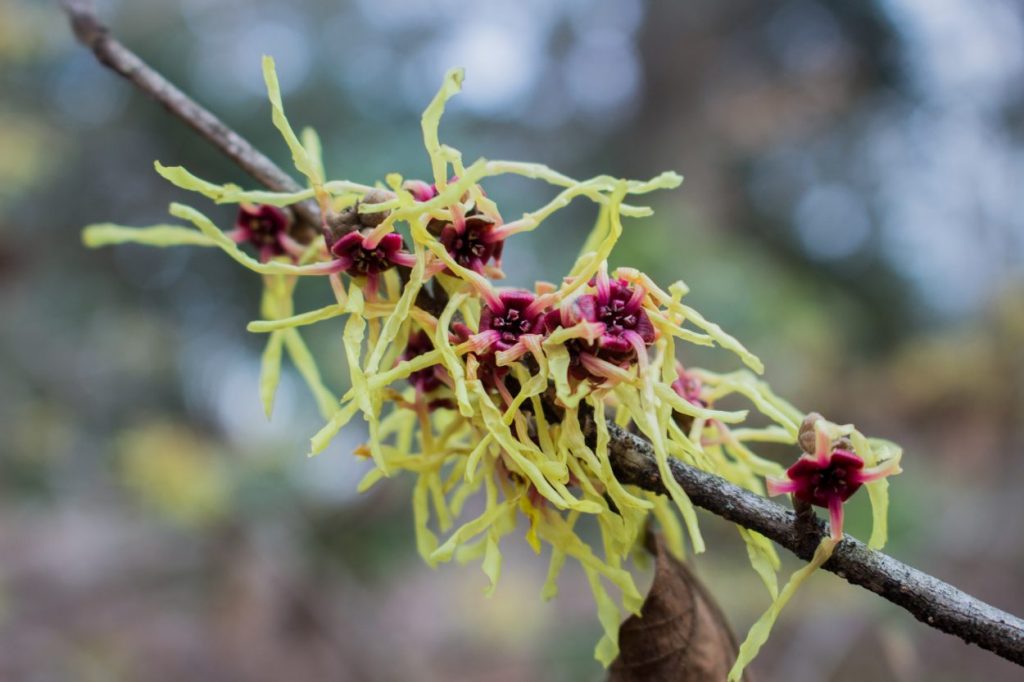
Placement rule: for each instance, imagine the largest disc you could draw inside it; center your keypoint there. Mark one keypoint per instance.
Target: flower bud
(807, 436)
(373, 218)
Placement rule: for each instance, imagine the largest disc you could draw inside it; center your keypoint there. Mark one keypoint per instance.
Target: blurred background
(852, 210)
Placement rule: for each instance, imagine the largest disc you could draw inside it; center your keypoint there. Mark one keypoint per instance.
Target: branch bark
(927, 598)
(110, 52)
(113, 54)
(930, 600)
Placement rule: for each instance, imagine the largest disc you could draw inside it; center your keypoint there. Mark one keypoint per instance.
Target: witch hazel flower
(511, 325)
(472, 239)
(361, 254)
(618, 306)
(428, 379)
(424, 191)
(420, 191)
(828, 473)
(266, 228)
(688, 387)
(507, 321)
(617, 327)
(473, 242)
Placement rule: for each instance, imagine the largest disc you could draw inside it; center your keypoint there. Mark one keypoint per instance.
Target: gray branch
(92, 33)
(929, 599)
(110, 52)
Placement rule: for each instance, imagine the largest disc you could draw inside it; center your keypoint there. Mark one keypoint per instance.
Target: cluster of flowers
(485, 394)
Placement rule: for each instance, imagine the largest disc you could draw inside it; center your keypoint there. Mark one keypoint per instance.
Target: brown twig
(92, 33)
(930, 600)
(110, 52)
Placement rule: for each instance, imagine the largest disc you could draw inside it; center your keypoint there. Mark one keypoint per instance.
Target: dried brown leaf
(680, 636)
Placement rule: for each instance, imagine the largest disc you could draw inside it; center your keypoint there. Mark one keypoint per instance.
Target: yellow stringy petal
(649, 425)
(878, 494)
(558, 359)
(107, 234)
(276, 301)
(426, 541)
(594, 189)
(878, 491)
(750, 461)
(304, 362)
(533, 517)
(314, 150)
(492, 565)
(207, 227)
(756, 391)
(300, 156)
(338, 420)
(403, 370)
(724, 339)
(555, 566)
(670, 526)
(668, 395)
(466, 532)
(769, 434)
(400, 314)
(619, 494)
(270, 371)
(431, 121)
(476, 455)
(763, 559)
(367, 399)
(451, 361)
(369, 480)
(444, 516)
(759, 632)
(300, 320)
(604, 248)
(227, 193)
(609, 615)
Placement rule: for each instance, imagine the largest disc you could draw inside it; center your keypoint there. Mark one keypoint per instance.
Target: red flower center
(263, 227)
(618, 306)
(817, 483)
(264, 231)
(513, 317)
(360, 260)
(689, 387)
(472, 247)
(424, 380)
(617, 316)
(366, 261)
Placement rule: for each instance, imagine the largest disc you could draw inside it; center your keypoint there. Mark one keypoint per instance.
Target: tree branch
(929, 599)
(110, 52)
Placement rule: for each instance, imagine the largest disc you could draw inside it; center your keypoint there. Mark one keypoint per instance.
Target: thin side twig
(113, 54)
(95, 35)
(927, 598)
